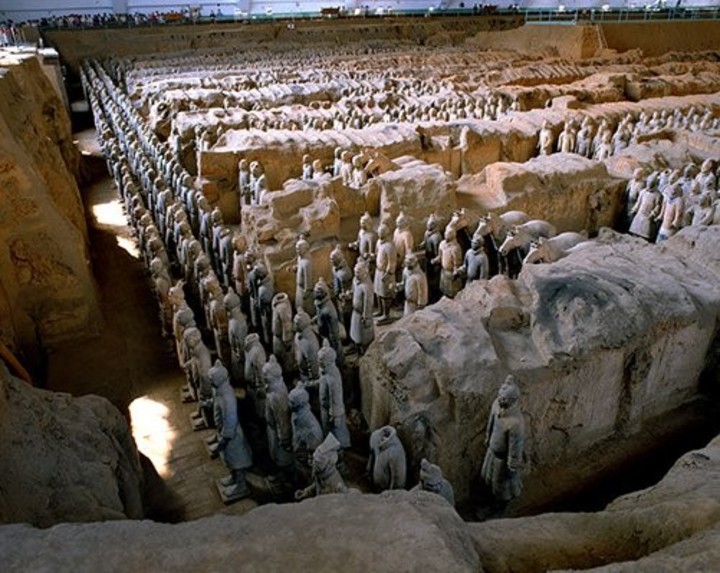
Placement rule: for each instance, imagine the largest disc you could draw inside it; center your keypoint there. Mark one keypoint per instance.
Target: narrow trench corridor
(134, 367)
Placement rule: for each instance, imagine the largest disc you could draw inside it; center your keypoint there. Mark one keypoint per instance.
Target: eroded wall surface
(46, 281)
(601, 342)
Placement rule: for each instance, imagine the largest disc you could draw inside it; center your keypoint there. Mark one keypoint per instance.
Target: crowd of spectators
(110, 20)
(10, 35)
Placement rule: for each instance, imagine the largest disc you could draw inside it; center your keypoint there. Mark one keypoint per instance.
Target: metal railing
(593, 16)
(530, 15)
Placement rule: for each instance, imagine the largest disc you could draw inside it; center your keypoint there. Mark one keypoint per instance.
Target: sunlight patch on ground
(152, 432)
(129, 246)
(111, 214)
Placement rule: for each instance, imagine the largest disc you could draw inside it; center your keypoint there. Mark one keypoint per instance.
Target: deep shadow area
(161, 503)
(648, 466)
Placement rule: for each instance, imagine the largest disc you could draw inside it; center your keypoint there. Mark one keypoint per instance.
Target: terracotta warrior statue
(342, 281)
(237, 332)
(450, 258)
(277, 415)
(505, 441)
(327, 320)
(362, 331)
(234, 450)
(306, 432)
(414, 285)
(306, 347)
(304, 278)
(283, 333)
(325, 476)
(365, 244)
(432, 480)
(387, 464)
(332, 405)
(384, 283)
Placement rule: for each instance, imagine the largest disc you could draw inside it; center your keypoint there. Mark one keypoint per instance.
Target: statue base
(212, 449)
(228, 495)
(186, 396)
(197, 423)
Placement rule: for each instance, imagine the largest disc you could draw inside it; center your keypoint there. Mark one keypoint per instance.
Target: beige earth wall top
(76, 45)
(660, 37)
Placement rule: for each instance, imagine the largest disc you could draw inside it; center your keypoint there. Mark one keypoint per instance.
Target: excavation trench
(135, 368)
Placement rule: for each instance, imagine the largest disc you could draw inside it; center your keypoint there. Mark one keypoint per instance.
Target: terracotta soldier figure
(234, 450)
(384, 283)
(387, 464)
(325, 476)
(362, 330)
(505, 441)
(432, 480)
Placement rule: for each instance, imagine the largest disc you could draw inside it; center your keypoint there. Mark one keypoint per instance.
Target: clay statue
(307, 169)
(387, 464)
(706, 177)
(362, 330)
(306, 347)
(505, 442)
(566, 139)
(304, 278)
(244, 188)
(346, 169)
(553, 249)
(325, 476)
(306, 432)
(218, 321)
(332, 406)
(237, 332)
(414, 285)
(384, 283)
(645, 210)
(326, 318)
(545, 139)
(517, 242)
(671, 213)
(475, 265)
(337, 162)
(365, 244)
(234, 450)
(318, 170)
(703, 212)
(583, 144)
(283, 333)
(162, 282)
(342, 285)
(264, 293)
(432, 480)
(239, 270)
(359, 175)
(402, 238)
(258, 183)
(183, 319)
(450, 258)
(225, 256)
(431, 245)
(277, 415)
(255, 359)
(604, 148)
(197, 367)
(632, 193)
(460, 224)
